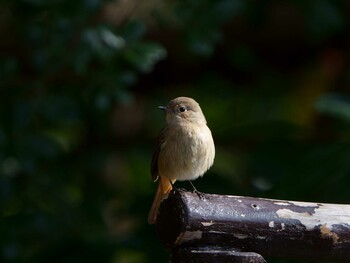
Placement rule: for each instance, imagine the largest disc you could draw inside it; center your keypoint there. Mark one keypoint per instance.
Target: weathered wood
(213, 255)
(272, 228)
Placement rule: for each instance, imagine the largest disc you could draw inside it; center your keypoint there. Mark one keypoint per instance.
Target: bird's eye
(182, 109)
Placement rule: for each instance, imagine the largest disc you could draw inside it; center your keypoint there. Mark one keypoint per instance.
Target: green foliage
(79, 86)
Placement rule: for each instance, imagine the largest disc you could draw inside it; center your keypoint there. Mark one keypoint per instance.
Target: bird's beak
(164, 108)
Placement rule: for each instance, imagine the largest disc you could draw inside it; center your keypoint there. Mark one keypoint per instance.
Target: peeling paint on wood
(189, 236)
(240, 236)
(207, 223)
(282, 203)
(323, 214)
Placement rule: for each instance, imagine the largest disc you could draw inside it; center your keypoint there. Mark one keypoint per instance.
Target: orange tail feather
(163, 190)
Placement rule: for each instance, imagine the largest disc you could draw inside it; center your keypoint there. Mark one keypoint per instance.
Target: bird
(184, 150)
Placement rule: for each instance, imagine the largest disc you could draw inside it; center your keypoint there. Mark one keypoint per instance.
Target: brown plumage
(184, 151)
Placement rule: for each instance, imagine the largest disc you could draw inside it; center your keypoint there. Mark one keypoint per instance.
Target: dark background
(80, 85)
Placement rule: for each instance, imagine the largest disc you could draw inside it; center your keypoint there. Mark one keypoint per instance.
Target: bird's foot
(199, 194)
(194, 190)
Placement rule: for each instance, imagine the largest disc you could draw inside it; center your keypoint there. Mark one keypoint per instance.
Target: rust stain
(326, 232)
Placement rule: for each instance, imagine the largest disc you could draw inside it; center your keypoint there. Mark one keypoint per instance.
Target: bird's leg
(175, 189)
(172, 184)
(194, 190)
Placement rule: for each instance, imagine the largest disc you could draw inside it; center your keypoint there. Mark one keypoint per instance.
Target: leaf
(145, 55)
(335, 105)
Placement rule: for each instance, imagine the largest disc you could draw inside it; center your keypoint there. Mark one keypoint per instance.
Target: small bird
(184, 150)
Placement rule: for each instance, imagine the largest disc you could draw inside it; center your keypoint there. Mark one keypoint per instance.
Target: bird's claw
(199, 194)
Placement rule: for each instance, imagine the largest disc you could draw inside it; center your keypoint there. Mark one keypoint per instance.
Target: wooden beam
(272, 228)
(213, 254)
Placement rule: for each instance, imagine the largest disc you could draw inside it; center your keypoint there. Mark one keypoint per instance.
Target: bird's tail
(163, 190)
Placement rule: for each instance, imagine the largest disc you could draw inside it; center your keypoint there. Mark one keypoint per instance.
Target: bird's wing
(154, 164)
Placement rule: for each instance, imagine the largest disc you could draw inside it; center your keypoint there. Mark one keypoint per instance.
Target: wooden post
(235, 224)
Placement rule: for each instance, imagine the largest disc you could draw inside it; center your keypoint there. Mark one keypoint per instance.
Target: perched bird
(184, 150)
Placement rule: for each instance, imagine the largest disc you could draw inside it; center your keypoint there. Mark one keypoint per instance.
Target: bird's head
(183, 110)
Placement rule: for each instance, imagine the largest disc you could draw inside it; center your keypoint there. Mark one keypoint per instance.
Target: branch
(272, 228)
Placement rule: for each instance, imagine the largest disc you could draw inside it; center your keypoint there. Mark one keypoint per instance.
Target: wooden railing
(223, 228)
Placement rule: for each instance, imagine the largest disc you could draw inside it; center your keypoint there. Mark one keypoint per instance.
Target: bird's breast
(187, 152)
